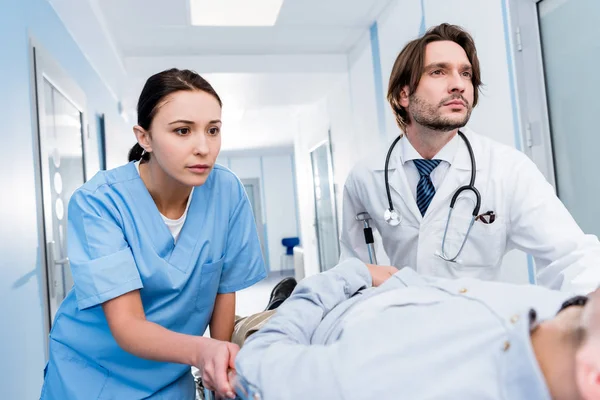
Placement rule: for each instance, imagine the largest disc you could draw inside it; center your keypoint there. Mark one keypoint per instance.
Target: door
(570, 43)
(325, 207)
(59, 145)
(555, 39)
(252, 187)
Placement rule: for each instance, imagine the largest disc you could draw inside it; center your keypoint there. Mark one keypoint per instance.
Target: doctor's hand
(215, 358)
(380, 273)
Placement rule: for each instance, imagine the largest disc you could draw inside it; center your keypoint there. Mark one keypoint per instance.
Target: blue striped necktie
(425, 188)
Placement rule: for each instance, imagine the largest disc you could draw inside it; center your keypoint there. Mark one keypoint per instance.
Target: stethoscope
(393, 218)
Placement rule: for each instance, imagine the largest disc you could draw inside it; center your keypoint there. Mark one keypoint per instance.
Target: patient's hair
(408, 67)
(579, 336)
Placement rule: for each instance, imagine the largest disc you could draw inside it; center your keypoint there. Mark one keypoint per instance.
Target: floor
(255, 298)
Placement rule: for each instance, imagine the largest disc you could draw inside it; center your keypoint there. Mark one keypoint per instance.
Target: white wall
(280, 201)
(313, 125)
(22, 335)
(354, 122)
(493, 117)
(351, 136)
(274, 168)
(397, 26)
(362, 91)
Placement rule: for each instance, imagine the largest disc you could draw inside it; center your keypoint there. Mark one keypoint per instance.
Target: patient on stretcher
(413, 337)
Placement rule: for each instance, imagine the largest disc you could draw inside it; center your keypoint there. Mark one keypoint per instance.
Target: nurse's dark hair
(409, 66)
(155, 90)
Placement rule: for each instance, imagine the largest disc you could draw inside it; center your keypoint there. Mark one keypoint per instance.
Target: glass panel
(252, 188)
(570, 45)
(326, 222)
(250, 192)
(64, 151)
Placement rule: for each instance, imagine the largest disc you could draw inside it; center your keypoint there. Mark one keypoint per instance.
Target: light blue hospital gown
(413, 338)
(118, 242)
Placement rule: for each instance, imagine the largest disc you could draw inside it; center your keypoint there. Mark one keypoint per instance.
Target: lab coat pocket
(69, 375)
(484, 246)
(210, 276)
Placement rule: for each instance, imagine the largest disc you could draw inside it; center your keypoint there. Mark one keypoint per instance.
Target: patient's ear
(588, 377)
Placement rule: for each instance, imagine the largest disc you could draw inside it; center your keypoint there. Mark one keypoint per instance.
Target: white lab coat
(529, 217)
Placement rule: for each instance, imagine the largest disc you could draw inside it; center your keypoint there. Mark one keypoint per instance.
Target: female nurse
(158, 248)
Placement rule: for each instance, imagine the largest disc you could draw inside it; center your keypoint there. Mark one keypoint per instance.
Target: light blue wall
(21, 323)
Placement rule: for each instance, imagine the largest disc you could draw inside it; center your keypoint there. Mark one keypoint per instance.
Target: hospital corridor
(299, 199)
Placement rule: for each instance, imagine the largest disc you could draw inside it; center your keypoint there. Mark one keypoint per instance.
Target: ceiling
(162, 28)
(253, 91)
(263, 74)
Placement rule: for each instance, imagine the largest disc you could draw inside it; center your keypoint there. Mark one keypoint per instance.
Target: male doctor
(432, 90)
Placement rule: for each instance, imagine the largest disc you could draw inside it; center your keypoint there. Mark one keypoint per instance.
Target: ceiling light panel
(235, 12)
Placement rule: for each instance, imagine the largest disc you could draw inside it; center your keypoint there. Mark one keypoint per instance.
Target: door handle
(51, 268)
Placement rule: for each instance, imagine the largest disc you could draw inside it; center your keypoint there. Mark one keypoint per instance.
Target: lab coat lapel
(454, 179)
(399, 184)
(459, 174)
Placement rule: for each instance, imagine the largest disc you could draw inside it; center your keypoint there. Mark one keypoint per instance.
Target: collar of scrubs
(181, 254)
(524, 377)
(409, 153)
(170, 221)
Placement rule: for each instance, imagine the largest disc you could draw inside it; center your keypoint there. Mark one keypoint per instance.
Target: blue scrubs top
(117, 243)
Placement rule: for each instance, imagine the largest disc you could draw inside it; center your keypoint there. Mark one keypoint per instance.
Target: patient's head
(567, 348)
(587, 356)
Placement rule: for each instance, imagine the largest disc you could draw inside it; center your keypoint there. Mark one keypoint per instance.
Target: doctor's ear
(143, 138)
(403, 100)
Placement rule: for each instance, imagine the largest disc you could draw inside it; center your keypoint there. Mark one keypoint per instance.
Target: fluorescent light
(235, 12)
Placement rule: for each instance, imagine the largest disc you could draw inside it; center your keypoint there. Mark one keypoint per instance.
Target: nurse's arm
(565, 257)
(145, 339)
(223, 317)
(280, 359)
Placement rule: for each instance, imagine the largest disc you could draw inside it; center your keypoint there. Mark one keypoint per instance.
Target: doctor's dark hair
(155, 90)
(409, 66)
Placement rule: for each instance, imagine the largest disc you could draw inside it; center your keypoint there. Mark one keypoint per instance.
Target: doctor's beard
(429, 116)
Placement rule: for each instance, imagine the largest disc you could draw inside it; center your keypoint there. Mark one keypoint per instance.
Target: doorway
(326, 225)
(59, 143)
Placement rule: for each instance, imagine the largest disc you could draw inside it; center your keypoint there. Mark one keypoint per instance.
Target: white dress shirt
(408, 153)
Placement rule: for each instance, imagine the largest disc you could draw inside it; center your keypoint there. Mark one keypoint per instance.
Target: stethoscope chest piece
(392, 217)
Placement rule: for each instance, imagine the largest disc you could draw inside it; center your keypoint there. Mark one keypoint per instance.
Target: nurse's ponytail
(137, 153)
(158, 87)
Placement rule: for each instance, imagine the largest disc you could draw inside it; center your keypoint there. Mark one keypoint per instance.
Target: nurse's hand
(380, 273)
(215, 358)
